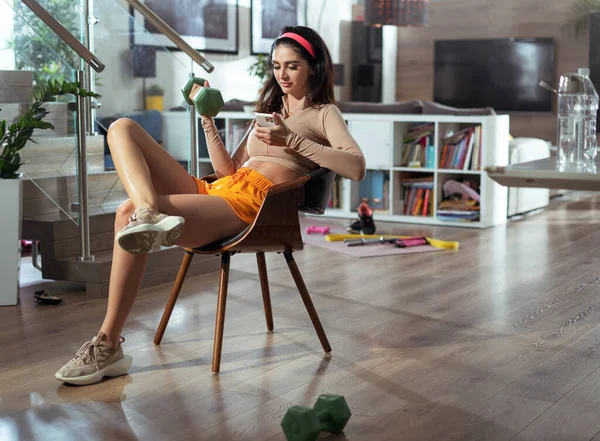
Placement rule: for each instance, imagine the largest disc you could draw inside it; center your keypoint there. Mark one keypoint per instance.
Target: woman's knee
(119, 128)
(124, 210)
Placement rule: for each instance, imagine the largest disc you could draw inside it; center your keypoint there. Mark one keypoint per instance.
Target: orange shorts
(244, 191)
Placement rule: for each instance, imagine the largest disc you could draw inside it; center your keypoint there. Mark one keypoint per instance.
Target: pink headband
(303, 41)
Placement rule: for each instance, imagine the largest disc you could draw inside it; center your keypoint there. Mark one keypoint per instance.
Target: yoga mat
(373, 250)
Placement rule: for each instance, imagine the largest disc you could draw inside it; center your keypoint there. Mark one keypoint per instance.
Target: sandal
(44, 298)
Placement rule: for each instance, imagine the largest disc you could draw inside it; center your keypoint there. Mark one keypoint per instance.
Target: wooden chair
(275, 229)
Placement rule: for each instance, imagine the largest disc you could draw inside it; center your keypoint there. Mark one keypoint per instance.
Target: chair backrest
(317, 191)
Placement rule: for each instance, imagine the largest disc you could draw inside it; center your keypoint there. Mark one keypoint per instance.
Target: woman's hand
(196, 88)
(274, 136)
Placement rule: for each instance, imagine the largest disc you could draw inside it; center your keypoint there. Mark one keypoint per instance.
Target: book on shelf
(417, 196)
(418, 146)
(460, 202)
(460, 210)
(462, 150)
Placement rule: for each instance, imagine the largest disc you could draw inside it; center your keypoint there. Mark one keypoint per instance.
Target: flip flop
(44, 298)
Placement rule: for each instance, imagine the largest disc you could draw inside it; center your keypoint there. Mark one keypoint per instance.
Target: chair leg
(220, 321)
(312, 312)
(264, 285)
(164, 321)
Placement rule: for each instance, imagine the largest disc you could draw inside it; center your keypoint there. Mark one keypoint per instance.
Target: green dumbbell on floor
(329, 414)
(208, 101)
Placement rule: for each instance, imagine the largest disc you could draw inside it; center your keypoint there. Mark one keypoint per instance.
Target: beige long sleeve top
(319, 137)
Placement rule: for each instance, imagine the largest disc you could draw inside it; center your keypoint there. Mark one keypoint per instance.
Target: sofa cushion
(433, 108)
(412, 107)
(236, 105)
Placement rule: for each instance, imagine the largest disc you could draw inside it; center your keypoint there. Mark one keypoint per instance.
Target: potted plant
(13, 138)
(260, 70)
(155, 98)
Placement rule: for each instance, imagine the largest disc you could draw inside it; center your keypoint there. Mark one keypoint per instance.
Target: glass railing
(142, 79)
(30, 55)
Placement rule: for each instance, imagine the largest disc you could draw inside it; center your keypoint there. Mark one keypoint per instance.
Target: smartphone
(265, 120)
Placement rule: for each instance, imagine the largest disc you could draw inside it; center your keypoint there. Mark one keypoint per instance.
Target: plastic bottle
(571, 101)
(590, 113)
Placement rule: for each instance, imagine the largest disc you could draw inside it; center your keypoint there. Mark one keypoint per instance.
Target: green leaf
(12, 167)
(45, 125)
(19, 144)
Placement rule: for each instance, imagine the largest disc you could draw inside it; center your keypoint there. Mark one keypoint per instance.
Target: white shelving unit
(381, 138)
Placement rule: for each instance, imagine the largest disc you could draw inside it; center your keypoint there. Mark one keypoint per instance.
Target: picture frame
(268, 17)
(187, 18)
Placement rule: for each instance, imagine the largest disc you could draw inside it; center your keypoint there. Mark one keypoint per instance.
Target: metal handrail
(168, 32)
(65, 35)
(172, 35)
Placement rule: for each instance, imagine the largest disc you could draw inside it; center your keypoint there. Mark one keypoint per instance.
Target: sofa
(409, 107)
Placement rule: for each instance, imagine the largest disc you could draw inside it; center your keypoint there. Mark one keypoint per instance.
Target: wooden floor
(498, 341)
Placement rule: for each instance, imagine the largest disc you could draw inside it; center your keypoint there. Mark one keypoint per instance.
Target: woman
(310, 133)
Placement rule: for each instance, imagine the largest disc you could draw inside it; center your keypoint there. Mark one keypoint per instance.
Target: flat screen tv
(499, 73)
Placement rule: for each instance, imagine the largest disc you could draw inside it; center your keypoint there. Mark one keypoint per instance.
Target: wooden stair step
(52, 156)
(59, 235)
(162, 267)
(60, 248)
(40, 196)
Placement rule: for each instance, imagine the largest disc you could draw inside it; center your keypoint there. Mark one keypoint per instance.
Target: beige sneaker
(148, 230)
(94, 361)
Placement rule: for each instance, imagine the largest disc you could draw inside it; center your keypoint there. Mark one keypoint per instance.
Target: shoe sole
(116, 369)
(146, 237)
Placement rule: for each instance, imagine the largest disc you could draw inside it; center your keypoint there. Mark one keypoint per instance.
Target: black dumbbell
(208, 101)
(329, 414)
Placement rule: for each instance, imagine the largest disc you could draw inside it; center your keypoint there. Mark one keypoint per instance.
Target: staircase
(51, 174)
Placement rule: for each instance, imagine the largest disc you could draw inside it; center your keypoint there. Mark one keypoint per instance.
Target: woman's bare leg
(153, 175)
(146, 171)
(208, 218)
(127, 272)
(144, 167)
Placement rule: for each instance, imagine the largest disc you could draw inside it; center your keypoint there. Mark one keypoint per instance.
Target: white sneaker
(148, 230)
(94, 361)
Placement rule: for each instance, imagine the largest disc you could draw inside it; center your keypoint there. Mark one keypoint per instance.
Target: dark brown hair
(320, 81)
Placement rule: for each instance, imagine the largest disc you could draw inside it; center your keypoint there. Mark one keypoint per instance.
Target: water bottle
(571, 102)
(590, 112)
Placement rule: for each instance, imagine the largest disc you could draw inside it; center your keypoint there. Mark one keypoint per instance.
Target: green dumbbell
(329, 414)
(208, 100)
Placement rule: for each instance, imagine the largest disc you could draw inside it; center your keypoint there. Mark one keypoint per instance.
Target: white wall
(7, 56)
(123, 93)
